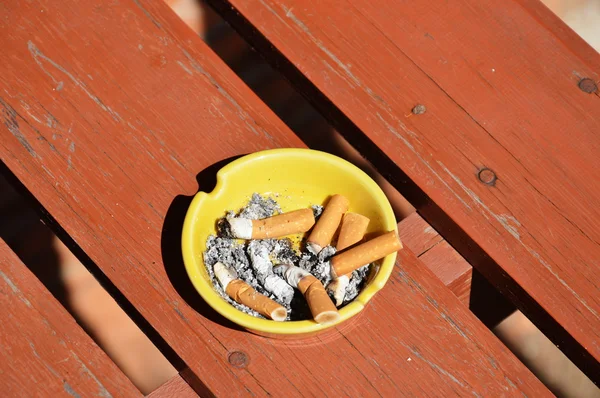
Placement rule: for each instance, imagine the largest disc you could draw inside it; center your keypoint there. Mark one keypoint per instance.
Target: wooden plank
(174, 387)
(441, 258)
(572, 41)
(452, 269)
(500, 93)
(111, 157)
(43, 351)
(417, 234)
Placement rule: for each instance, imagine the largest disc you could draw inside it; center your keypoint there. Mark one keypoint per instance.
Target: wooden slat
(452, 269)
(501, 92)
(43, 350)
(417, 234)
(174, 387)
(441, 258)
(109, 130)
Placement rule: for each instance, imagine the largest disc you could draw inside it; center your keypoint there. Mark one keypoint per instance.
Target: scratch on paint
(10, 121)
(185, 68)
(69, 390)
(506, 220)
(15, 289)
(37, 55)
(35, 353)
(435, 366)
(102, 391)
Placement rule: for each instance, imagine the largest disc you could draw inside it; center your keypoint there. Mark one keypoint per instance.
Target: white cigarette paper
(224, 274)
(259, 257)
(241, 228)
(243, 293)
(338, 288)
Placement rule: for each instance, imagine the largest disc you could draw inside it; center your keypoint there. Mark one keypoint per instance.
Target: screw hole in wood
(487, 176)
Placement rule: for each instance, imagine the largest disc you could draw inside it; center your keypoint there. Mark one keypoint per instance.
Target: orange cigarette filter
(284, 224)
(352, 230)
(245, 294)
(365, 253)
(328, 223)
(289, 223)
(322, 308)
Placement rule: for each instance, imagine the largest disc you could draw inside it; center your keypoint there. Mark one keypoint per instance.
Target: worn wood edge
(432, 213)
(36, 297)
(104, 281)
(176, 386)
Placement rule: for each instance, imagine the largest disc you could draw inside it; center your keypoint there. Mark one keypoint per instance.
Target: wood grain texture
(174, 387)
(43, 350)
(108, 132)
(501, 92)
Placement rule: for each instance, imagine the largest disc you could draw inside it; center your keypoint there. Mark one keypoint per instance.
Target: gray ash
(317, 211)
(259, 207)
(281, 251)
(233, 254)
(236, 253)
(356, 284)
(318, 265)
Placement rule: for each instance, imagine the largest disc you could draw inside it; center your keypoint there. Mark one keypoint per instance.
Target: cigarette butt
(337, 287)
(365, 253)
(328, 223)
(321, 307)
(243, 293)
(352, 231)
(289, 223)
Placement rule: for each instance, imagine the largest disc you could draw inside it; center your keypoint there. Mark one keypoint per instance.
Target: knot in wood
(487, 176)
(238, 359)
(419, 109)
(587, 85)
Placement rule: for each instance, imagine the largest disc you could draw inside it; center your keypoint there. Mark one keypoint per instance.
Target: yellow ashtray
(296, 178)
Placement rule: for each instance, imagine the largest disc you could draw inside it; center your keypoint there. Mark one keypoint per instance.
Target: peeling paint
(102, 391)
(185, 68)
(10, 121)
(69, 390)
(15, 289)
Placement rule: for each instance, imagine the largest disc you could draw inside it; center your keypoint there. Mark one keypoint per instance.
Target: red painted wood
(417, 234)
(107, 129)
(501, 92)
(452, 269)
(42, 349)
(571, 40)
(441, 258)
(174, 387)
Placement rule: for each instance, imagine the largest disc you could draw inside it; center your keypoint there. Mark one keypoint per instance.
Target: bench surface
(115, 114)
